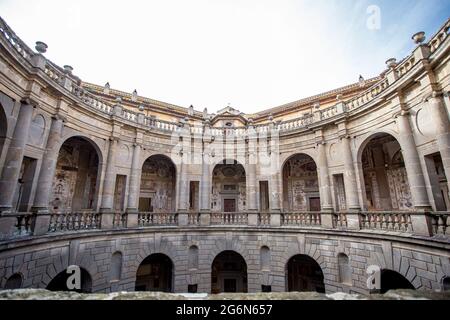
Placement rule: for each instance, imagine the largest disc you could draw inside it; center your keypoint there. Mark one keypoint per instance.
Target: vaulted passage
(385, 179)
(391, 280)
(300, 184)
(76, 177)
(229, 273)
(59, 283)
(155, 273)
(158, 181)
(228, 187)
(304, 274)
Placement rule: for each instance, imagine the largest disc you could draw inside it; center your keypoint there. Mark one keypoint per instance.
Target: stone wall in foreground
(423, 263)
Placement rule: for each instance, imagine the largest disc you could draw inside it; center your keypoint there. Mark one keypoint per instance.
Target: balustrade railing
(340, 220)
(387, 221)
(226, 218)
(146, 219)
(74, 221)
(440, 222)
(67, 81)
(301, 219)
(120, 220)
(264, 219)
(193, 219)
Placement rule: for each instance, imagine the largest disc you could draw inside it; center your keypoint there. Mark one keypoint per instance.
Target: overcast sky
(253, 54)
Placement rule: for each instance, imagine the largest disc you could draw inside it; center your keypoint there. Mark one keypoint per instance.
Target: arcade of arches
(385, 185)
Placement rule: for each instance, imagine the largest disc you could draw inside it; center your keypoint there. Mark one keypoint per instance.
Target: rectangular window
(266, 288)
(192, 288)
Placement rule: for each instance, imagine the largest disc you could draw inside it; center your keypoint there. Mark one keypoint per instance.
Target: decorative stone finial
(419, 37)
(41, 47)
(134, 96)
(391, 63)
(106, 88)
(205, 113)
(191, 110)
(362, 81)
(68, 69)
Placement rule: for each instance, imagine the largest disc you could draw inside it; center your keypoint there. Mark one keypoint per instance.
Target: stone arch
(225, 245)
(229, 273)
(445, 283)
(59, 282)
(77, 176)
(88, 138)
(383, 175)
(15, 281)
(155, 273)
(148, 248)
(392, 280)
(300, 183)
(158, 184)
(229, 179)
(303, 273)
(364, 140)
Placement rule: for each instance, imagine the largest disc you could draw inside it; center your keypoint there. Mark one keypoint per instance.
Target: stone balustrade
(264, 219)
(387, 221)
(400, 222)
(440, 222)
(120, 220)
(64, 79)
(74, 221)
(222, 218)
(340, 220)
(147, 219)
(301, 219)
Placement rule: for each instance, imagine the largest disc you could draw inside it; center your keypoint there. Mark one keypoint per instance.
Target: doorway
(229, 205)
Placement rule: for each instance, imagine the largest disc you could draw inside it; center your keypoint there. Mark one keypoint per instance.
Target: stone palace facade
(146, 195)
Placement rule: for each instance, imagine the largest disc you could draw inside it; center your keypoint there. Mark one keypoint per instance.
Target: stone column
(46, 176)
(252, 204)
(134, 188)
(107, 206)
(324, 187)
(275, 178)
(351, 189)
(412, 163)
(441, 124)
(205, 188)
(14, 156)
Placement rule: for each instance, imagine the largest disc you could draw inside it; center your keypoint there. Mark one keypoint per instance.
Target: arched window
(14, 282)
(345, 272)
(116, 266)
(193, 257)
(265, 258)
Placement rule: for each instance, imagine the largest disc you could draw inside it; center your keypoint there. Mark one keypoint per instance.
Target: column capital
(30, 101)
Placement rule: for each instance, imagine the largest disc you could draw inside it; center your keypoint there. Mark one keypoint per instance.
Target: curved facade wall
(377, 188)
